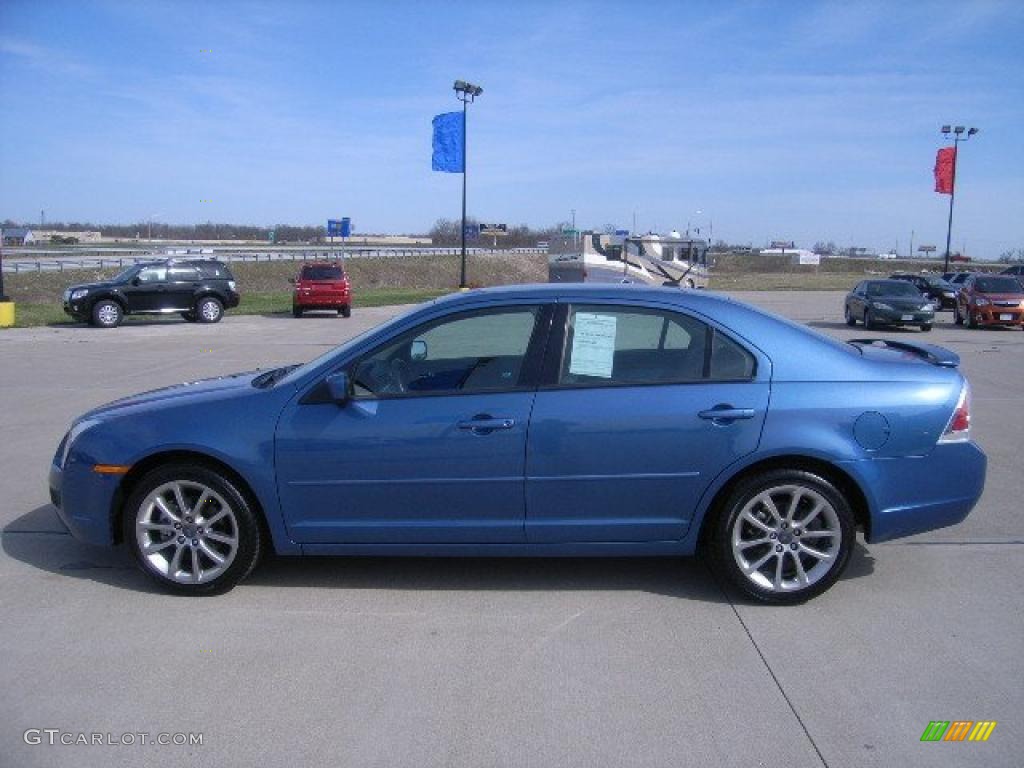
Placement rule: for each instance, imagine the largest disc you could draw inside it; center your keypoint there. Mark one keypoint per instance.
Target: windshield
(997, 285)
(126, 274)
(321, 273)
(300, 371)
(894, 288)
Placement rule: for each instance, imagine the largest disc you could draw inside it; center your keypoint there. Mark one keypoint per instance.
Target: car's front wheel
(869, 321)
(783, 536)
(209, 310)
(850, 319)
(107, 314)
(926, 326)
(191, 530)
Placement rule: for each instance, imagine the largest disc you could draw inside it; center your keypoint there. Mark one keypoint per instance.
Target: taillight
(958, 430)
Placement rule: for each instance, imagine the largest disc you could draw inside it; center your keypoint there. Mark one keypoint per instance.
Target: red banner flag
(945, 163)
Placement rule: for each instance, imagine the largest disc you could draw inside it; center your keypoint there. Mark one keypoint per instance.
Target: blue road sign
(346, 227)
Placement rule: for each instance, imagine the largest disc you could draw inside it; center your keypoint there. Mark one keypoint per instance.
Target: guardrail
(101, 262)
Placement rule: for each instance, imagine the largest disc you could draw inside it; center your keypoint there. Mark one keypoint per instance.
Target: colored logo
(958, 730)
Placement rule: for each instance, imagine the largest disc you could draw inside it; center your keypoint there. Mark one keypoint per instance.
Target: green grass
(263, 303)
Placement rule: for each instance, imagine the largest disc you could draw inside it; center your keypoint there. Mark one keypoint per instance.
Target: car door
(647, 407)
(182, 281)
(431, 447)
(856, 301)
(146, 290)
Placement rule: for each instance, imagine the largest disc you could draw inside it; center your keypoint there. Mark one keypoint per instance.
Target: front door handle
(485, 424)
(726, 414)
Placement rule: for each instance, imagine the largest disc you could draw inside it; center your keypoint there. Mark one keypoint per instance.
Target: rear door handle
(724, 414)
(484, 425)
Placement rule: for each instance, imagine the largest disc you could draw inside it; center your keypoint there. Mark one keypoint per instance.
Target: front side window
(471, 352)
(607, 346)
(152, 275)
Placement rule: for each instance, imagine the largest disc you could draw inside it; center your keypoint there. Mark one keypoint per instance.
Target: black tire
(209, 310)
(850, 319)
(926, 327)
(972, 319)
(785, 544)
(957, 317)
(189, 316)
(869, 321)
(346, 311)
(242, 525)
(107, 314)
(296, 311)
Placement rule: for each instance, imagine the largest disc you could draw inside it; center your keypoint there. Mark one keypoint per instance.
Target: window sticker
(593, 345)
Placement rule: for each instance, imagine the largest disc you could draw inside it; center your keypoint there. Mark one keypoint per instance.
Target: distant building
(17, 236)
(42, 236)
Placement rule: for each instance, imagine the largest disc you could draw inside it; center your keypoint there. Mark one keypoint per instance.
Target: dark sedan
(888, 302)
(942, 294)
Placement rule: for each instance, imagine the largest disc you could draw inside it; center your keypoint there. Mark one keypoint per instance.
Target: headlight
(231, 285)
(73, 434)
(949, 294)
(980, 302)
(928, 308)
(880, 305)
(79, 293)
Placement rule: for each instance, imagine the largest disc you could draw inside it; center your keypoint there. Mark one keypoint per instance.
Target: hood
(103, 284)
(179, 394)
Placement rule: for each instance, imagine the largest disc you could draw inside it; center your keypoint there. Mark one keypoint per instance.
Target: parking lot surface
(431, 662)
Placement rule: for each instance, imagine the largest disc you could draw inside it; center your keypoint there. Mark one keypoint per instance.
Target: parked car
(1016, 269)
(990, 300)
(322, 285)
(198, 290)
(957, 279)
(942, 294)
(595, 420)
(888, 302)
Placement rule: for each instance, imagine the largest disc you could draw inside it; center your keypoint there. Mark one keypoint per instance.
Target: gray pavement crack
(768, 666)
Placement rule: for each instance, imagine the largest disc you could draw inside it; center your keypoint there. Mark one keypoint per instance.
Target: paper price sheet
(593, 345)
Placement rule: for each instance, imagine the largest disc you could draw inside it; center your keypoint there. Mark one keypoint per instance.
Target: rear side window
(322, 273)
(608, 346)
(214, 270)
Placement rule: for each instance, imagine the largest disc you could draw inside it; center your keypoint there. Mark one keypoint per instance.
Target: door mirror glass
(418, 350)
(340, 387)
(136, 281)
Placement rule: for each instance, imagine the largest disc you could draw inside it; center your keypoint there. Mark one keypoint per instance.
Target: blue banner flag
(449, 152)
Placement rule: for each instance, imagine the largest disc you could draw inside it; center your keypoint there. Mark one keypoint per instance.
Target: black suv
(197, 290)
(932, 286)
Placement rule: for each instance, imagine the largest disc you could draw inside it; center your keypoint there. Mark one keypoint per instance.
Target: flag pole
(952, 197)
(462, 268)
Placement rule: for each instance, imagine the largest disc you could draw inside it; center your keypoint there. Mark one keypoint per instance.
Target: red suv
(990, 300)
(322, 285)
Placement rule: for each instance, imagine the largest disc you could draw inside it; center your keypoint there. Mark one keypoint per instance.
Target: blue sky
(791, 120)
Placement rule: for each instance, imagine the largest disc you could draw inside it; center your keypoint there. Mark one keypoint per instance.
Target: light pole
(957, 134)
(466, 93)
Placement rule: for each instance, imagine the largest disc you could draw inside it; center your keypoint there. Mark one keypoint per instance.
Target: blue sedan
(583, 420)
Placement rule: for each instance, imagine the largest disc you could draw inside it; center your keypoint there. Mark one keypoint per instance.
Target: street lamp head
(958, 130)
(945, 129)
(972, 131)
(465, 89)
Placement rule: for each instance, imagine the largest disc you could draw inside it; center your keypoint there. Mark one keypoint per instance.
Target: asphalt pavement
(474, 662)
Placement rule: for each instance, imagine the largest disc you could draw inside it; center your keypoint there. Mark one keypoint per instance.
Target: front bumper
(84, 502)
(993, 315)
(898, 317)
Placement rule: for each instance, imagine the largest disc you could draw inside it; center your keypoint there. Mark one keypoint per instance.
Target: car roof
(322, 264)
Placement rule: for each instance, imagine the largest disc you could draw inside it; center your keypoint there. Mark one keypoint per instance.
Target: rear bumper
(313, 300)
(912, 495)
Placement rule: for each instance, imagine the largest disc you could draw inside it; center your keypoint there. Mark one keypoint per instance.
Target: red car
(990, 300)
(322, 285)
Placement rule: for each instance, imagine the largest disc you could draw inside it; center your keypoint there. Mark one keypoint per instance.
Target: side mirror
(340, 387)
(136, 281)
(418, 350)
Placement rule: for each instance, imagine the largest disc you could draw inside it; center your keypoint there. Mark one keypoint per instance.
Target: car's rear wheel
(107, 314)
(926, 326)
(296, 311)
(784, 536)
(850, 319)
(191, 530)
(209, 310)
(957, 317)
(346, 311)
